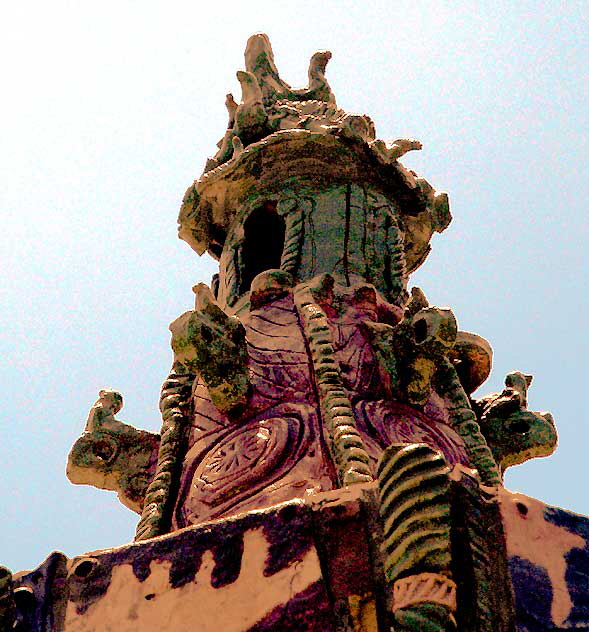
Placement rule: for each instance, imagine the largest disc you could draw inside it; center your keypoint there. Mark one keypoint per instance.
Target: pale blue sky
(109, 112)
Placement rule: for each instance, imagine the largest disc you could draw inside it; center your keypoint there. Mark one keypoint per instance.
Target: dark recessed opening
(216, 250)
(84, 568)
(150, 596)
(520, 427)
(24, 598)
(103, 450)
(264, 232)
(420, 329)
(217, 239)
(522, 509)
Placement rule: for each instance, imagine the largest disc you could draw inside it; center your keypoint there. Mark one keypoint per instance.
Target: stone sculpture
(514, 433)
(113, 455)
(309, 375)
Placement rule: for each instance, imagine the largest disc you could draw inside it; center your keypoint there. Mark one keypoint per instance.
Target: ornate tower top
(300, 185)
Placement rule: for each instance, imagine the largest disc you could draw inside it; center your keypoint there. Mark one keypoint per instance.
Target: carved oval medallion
(245, 459)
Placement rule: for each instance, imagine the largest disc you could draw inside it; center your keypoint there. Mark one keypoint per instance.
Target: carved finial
(250, 116)
(393, 150)
(416, 302)
(517, 384)
(259, 60)
(231, 109)
(203, 297)
(109, 403)
(317, 67)
(250, 89)
(237, 146)
(318, 89)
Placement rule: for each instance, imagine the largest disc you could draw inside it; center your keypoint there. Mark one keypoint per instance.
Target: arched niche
(263, 243)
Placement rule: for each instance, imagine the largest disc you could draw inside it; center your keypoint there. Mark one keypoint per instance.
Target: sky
(110, 110)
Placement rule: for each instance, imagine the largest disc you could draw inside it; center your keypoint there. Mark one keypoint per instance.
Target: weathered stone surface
(479, 559)
(473, 358)
(315, 564)
(40, 596)
(262, 571)
(409, 353)
(210, 343)
(276, 449)
(307, 166)
(548, 551)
